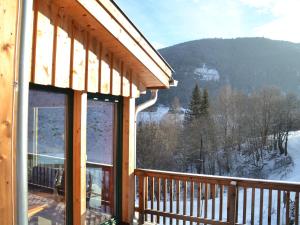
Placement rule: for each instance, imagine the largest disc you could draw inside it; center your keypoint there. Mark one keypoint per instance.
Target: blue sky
(168, 22)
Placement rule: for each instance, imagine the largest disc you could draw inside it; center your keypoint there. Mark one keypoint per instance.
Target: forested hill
(244, 63)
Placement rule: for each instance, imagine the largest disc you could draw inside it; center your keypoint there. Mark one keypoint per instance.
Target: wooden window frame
(69, 144)
(118, 157)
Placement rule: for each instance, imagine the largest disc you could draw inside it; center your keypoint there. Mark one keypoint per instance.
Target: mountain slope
(244, 63)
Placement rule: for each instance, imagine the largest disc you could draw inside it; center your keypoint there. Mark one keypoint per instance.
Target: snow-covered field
(294, 152)
(292, 176)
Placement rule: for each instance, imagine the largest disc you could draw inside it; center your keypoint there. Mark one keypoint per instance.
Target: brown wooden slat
(152, 196)
(158, 199)
(297, 209)
(191, 199)
(237, 205)
(184, 200)
(141, 199)
(171, 200)
(165, 199)
(221, 202)
(177, 199)
(270, 207)
(287, 216)
(245, 206)
(199, 193)
(278, 206)
(146, 195)
(206, 200)
(252, 206)
(261, 206)
(213, 193)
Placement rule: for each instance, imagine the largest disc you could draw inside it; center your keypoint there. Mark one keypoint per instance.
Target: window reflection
(46, 158)
(100, 161)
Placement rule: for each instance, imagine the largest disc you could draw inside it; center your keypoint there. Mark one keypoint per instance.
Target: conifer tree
(194, 110)
(204, 104)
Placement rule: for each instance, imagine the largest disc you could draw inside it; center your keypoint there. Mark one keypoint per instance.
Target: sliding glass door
(48, 138)
(102, 159)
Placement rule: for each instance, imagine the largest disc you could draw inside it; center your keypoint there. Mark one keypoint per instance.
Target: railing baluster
(270, 207)
(171, 200)
(199, 201)
(146, 196)
(158, 199)
(165, 199)
(261, 206)
(221, 203)
(152, 196)
(177, 199)
(237, 205)
(206, 201)
(184, 200)
(213, 193)
(278, 206)
(252, 206)
(141, 200)
(192, 201)
(245, 206)
(297, 209)
(287, 214)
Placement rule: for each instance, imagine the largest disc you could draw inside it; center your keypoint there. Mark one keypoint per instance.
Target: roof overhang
(107, 22)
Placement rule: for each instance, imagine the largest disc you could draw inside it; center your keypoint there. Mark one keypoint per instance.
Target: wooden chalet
(70, 74)
(84, 64)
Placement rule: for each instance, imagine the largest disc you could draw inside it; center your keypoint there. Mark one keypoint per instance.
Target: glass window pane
(46, 157)
(100, 161)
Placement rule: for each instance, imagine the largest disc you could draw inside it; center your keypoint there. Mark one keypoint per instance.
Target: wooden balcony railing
(181, 198)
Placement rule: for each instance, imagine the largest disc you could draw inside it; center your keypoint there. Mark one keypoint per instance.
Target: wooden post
(128, 163)
(231, 213)
(8, 68)
(79, 158)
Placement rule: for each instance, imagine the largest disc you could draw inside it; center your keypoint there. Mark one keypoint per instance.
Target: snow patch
(207, 74)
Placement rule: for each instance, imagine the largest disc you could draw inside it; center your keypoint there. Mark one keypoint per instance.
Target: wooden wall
(67, 55)
(8, 67)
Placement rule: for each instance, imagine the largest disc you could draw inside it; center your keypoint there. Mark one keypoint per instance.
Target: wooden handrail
(221, 180)
(193, 198)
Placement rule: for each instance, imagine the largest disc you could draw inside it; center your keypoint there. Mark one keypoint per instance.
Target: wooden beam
(8, 68)
(128, 184)
(79, 157)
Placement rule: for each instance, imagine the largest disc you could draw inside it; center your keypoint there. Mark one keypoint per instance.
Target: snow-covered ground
(292, 176)
(294, 152)
(153, 116)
